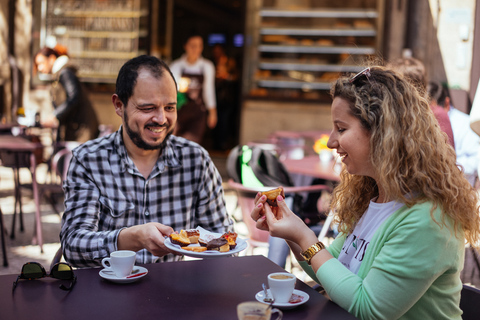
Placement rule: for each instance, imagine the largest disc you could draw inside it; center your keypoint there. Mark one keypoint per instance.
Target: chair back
(470, 303)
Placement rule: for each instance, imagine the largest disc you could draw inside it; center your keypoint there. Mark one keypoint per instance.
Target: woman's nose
(332, 141)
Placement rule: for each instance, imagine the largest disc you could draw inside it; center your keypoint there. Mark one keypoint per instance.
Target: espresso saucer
(136, 275)
(298, 298)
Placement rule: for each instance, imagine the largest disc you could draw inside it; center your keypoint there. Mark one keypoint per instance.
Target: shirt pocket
(116, 208)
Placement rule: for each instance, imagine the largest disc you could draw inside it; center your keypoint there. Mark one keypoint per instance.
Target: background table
(18, 146)
(313, 167)
(199, 289)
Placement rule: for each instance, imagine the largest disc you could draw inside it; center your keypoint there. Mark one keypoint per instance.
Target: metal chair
(469, 303)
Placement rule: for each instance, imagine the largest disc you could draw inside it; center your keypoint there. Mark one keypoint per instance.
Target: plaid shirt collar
(167, 157)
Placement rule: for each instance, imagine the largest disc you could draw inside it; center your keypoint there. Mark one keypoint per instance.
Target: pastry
(195, 249)
(272, 196)
(231, 239)
(193, 235)
(180, 238)
(219, 244)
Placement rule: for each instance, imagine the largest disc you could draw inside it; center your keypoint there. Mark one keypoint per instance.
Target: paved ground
(20, 249)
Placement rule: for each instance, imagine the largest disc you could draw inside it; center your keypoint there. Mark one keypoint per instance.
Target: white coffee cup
(120, 262)
(281, 286)
(253, 310)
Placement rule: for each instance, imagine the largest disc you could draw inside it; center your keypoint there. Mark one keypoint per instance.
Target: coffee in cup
(253, 310)
(120, 263)
(281, 286)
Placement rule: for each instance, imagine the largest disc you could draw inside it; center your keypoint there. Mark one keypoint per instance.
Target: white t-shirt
(201, 66)
(355, 246)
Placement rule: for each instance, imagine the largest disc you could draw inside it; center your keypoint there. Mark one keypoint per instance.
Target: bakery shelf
(319, 13)
(286, 84)
(319, 32)
(312, 67)
(316, 49)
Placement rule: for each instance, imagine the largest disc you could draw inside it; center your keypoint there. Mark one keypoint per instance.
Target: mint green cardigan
(411, 269)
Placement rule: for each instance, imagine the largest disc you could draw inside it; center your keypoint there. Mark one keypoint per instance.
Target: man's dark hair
(128, 74)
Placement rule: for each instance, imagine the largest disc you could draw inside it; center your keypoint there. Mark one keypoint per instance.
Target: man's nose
(159, 116)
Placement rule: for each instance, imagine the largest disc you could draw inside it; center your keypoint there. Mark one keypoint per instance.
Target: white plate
(241, 245)
(303, 295)
(108, 275)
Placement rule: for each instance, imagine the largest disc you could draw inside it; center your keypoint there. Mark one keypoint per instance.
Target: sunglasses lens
(62, 271)
(32, 271)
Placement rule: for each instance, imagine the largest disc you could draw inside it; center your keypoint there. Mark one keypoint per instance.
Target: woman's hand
(259, 211)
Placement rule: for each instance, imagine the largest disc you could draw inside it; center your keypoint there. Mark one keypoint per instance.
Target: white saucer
(112, 277)
(289, 305)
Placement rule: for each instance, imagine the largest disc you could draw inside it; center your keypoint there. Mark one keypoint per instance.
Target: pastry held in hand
(272, 196)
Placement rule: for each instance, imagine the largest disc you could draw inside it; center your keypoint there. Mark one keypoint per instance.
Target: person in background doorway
(73, 113)
(226, 76)
(195, 77)
(467, 142)
(414, 71)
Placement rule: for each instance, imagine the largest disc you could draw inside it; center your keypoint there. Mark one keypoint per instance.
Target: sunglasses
(34, 270)
(365, 72)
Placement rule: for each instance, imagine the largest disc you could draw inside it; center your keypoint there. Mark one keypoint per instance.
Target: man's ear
(118, 104)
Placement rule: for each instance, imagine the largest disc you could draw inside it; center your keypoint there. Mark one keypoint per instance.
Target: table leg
(38, 218)
(2, 231)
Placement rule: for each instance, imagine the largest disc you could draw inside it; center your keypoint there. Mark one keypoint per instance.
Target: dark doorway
(218, 22)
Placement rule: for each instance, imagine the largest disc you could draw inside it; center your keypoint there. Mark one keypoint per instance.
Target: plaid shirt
(104, 193)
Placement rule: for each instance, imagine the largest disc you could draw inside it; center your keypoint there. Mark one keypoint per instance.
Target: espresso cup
(120, 262)
(253, 310)
(281, 286)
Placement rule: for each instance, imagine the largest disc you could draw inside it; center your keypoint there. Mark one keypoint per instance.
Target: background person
(73, 112)
(404, 208)
(195, 77)
(132, 188)
(467, 142)
(414, 71)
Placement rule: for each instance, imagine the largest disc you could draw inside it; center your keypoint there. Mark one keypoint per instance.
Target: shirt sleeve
(209, 85)
(83, 245)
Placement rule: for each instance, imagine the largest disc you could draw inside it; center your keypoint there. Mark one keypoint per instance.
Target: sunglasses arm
(70, 287)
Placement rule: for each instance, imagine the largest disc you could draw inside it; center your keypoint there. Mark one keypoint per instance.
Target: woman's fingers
(258, 210)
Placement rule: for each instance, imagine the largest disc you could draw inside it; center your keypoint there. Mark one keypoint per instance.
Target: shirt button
(147, 213)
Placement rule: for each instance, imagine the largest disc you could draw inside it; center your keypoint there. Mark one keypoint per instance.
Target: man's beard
(139, 142)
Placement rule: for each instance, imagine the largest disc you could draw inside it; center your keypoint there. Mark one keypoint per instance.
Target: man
(196, 79)
(467, 142)
(131, 189)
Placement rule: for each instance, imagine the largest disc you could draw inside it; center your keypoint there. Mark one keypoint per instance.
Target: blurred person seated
(131, 189)
(414, 71)
(73, 113)
(467, 142)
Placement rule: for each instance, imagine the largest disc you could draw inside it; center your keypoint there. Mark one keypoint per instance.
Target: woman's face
(44, 64)
(350, 139)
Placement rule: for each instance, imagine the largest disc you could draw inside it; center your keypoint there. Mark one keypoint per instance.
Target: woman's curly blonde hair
(409, 151)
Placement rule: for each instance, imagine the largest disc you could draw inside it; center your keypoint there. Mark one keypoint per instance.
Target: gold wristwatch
(313, 250)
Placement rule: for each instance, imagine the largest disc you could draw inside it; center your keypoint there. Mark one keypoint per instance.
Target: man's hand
(150, 236)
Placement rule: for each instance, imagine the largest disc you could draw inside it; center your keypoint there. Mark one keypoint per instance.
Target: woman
(404, 208)
(74, 114)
